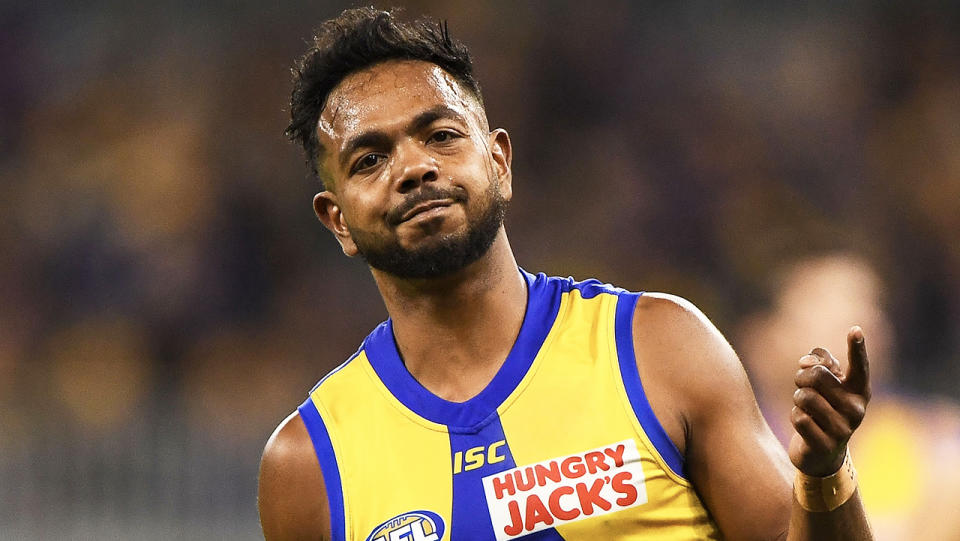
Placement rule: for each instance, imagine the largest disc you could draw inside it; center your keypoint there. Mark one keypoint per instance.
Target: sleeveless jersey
(560, 445)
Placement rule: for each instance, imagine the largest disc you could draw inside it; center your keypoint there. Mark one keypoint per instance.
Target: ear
(501, 151)
(328, 210)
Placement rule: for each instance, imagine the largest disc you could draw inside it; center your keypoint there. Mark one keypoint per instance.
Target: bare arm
(700, 393)
(292, 496)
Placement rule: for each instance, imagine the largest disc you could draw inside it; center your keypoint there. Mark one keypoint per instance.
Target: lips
(425, 206)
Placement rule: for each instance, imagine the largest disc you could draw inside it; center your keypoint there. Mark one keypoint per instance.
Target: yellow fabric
(577, 365)
(385, 460)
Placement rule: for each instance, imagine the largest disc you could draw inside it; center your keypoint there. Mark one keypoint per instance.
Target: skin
(694, 380)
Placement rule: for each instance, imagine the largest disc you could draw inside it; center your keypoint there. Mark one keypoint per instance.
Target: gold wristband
(821, 494)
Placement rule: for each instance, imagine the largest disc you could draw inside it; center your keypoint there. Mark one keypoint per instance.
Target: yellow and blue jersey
(561, 445)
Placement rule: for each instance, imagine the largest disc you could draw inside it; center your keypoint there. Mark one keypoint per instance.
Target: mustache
(426, 193)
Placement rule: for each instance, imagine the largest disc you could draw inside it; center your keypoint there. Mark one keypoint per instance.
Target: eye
(366, 162)
(443, 136)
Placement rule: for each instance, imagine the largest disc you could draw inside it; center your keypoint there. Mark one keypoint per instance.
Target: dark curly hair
(356, 39)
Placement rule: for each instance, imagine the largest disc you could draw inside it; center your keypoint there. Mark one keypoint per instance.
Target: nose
(414, 167)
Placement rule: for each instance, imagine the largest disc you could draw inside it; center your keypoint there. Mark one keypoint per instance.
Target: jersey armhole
(328, 466)
(630, 376)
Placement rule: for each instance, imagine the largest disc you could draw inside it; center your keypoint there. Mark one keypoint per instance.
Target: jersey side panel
(680, 504)
(386, 460)
(633, 396)
(327, 460)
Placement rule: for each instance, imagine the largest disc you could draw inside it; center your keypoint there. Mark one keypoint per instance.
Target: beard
(437, 257)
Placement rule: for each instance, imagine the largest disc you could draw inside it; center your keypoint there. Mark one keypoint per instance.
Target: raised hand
(828, 406)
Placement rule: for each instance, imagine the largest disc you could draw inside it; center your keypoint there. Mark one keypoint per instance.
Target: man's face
(418, 186)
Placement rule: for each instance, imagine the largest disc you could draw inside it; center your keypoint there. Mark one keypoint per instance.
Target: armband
(820, 494)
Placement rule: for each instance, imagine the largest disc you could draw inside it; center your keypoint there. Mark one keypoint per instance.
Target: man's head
(358, 39)
(393, 123)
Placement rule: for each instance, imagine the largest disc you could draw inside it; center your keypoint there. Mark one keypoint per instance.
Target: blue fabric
(631, 380)
(328, 466)
(470, 520)
(590, 288)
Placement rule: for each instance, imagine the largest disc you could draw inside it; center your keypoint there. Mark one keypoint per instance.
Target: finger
(809, 360)
(829, 360)
(812, 434)
(832, 422)
(822, 357)
(858, 373)
(848, 404)
(818, 376)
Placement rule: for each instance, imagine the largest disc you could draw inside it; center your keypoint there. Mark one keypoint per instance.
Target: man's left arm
(701, 394)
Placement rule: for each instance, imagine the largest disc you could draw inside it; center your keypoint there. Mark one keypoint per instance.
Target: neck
(454, 332)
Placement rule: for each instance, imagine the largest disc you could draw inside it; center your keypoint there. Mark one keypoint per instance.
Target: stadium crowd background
(166, 295)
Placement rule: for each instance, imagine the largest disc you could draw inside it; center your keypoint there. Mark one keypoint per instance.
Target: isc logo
(476, 457)
(412, 526)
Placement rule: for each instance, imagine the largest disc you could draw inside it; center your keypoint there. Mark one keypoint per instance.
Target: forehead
(388, 93)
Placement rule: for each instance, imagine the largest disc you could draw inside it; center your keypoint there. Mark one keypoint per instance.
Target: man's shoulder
(338, 372)
(288, 471)
(589, 287)
(288, 440)
(681, 351)
(669, 317)
(339, 375)
(672, 317)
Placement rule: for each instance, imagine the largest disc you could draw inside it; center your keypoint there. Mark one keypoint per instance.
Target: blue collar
(543, 302)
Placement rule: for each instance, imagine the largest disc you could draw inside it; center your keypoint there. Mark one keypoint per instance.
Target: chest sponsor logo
(412, 526)
(566, 489)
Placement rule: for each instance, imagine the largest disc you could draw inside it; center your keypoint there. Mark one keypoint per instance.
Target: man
(495, 404)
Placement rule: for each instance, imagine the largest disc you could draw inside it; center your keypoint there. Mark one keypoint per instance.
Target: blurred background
(167, 296)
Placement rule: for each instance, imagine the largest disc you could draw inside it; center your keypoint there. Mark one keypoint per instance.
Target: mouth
(424, 207)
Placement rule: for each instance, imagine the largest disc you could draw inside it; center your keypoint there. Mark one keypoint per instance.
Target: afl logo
(412, 526)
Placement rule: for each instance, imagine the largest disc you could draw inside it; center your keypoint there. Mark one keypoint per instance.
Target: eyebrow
(430, 116)
(376, 138)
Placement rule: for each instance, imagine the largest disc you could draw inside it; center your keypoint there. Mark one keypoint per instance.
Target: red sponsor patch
(565, 489)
